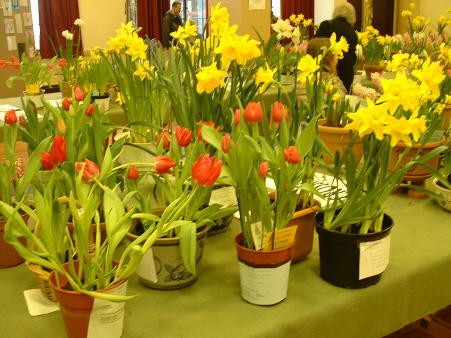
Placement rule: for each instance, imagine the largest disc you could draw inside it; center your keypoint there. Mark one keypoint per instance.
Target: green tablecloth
(416, 282)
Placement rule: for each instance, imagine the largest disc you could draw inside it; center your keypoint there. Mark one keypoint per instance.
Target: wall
(102, 18)
(323, 10)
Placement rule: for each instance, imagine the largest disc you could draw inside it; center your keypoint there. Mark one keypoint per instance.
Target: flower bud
(61, 126)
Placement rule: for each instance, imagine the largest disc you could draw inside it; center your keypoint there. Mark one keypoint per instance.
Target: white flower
(283, 28)
(79, 22)
(67, 35)
(296, 36)
(359, 50)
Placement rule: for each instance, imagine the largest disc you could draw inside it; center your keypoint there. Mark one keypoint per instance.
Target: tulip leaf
(307, 138)
(188, 246)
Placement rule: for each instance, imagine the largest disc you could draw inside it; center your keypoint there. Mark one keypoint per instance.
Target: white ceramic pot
(445, 193)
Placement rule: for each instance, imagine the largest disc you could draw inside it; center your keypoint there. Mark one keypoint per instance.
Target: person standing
(342, 24)
(171, 22)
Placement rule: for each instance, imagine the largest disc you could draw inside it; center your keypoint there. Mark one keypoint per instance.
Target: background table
(417, 282)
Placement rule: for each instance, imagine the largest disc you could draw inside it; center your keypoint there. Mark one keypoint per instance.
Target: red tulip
(3, 64)
(90, 110)
(66, 103)
(58, 150)
(133, 173)
(263, 170)
(199, 130)
(237, 116)
(183, 136)
(253, 112)
(46, 161)
(50, 66)
(291, 155)
(166, 139)
(62, 63)
(15, 63)
(163, 164)
(79, 96)
(206, 170)
(277, 111)
(225, 143)
(11, 117)
(90, 172)
(22, 121)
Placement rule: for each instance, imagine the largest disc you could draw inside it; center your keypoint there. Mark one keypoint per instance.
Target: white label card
(264, 286)
(224, 196)
(258, 234)
(107, 317)
(374, 257)
(146, 268)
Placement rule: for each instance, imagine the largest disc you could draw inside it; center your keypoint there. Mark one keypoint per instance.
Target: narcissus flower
(133, 173)
(206, 170)
(263, 169)
(265, 76)
(278, 111)
(307, 65)
(209, 78)
(338, 47)
(183, 136)
(253, 112)
(291, 155)
(11, 117)
(90, 172)
(166, 137)
(163, 164)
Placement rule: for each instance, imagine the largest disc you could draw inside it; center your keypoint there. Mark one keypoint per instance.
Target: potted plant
(373, 46)
(16, 172)
(185, 177)
(86, 278)
(353, 230)
(248, 158)
(35, 74)
(440, 188)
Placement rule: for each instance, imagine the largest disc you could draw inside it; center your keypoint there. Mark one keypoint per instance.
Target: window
(35, 19)
(275, 8)
(195, 10)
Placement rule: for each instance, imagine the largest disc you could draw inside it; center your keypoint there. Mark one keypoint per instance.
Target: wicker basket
(42, 278)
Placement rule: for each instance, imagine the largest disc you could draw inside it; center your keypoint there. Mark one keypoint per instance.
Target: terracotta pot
(77, 308)
(66, 89)
(170, 272)
(445, 193)
(418, 174)
(337, 139)
(263, 274)
(341, 260)
(446, 117)
(8, 255)
(373, 69)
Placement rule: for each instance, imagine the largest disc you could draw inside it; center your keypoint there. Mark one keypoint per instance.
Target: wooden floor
(437, 325)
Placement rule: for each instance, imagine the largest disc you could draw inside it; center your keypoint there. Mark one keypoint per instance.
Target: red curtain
(150, 17)
(55, 16)
(305, 7)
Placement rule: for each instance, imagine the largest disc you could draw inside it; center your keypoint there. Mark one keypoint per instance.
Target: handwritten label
(224, 196)
(264, 286)
(258, 233)
(32, 89)
(107, 317)
(146, 268)
(374, 257)
(284, 237)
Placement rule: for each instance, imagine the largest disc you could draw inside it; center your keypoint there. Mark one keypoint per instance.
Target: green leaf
(188, 246)
(307, 138)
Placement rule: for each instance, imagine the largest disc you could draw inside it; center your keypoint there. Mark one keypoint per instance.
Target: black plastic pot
(340, 254)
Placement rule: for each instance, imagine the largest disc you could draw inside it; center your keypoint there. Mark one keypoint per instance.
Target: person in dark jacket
(342, 23)
(171, 22)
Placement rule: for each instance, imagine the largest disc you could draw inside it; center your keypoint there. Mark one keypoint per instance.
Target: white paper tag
(258, 234)
(37, 304)
(374, 257)
(107, 317)
(224, 196)
(146, 268)
(264, 286)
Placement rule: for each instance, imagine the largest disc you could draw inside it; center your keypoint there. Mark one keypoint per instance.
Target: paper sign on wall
(374, 257)
(7, 8)
(19, 28)
(9, 26)
(27, 21)
(11, 42)
(257, 4)
(23, 3)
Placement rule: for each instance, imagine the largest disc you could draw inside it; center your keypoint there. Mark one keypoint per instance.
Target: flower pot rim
(335, 130)
(238, 245)
(439, 187)
(427, 145)
(172, 240)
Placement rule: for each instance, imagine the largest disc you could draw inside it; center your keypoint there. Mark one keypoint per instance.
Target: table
(417, 282)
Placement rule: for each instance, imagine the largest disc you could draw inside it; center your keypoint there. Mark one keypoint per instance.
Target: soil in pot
(85, 316)
(352, 260)
(162, 266)
(263, 274)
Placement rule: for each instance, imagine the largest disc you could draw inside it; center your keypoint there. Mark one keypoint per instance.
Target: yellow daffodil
(369, 120)
(399, 130)
(307, 23)
(329, 88)
(399, 62)
(431, 76)
(417, 126)
(236, 47)
(219, 19)
(412, 5)
(144, 70)
(339, 47)
(136, 47)
(381, 40)
(306, 66)
(399, 91)
(265, 76)
(336, 97)
(445, 54)
(120, 99)
(209, 78)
